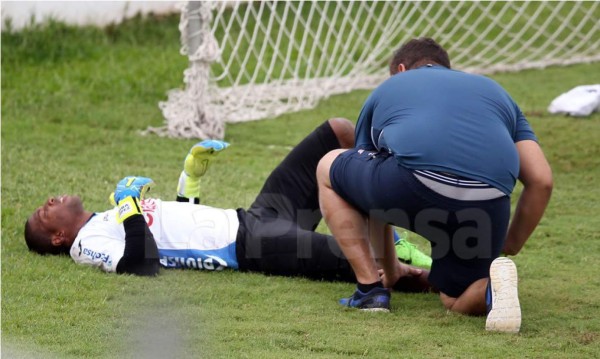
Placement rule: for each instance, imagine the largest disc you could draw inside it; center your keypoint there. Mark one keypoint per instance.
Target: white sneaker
(502, 297)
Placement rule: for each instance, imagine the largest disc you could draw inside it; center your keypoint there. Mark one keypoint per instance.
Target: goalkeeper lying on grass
(276, 235)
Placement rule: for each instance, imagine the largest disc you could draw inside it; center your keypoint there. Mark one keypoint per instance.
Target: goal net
(259, 59)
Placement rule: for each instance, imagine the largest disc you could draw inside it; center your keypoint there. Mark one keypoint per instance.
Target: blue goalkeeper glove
(128, 194)
(132, 186)
(195, 165)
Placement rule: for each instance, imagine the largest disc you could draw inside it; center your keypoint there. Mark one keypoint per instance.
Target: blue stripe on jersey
(210, 259)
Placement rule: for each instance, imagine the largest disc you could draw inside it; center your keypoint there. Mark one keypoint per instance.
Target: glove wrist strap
(128, 206)
(188, 186)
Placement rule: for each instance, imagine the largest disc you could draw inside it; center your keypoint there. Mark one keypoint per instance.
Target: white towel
(580, 101)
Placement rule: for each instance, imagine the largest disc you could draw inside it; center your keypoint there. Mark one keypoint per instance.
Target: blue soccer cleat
(375, 300)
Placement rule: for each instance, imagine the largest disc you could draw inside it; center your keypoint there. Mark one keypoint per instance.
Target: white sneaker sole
(505, 315)
(375, 310)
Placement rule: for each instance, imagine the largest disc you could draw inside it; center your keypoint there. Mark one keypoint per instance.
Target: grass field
(71, 114)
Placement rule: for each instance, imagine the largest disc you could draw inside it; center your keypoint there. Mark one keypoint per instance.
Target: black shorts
(279, 247)
(465, 236)
(276, 234)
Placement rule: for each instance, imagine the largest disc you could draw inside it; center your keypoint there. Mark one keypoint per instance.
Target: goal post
(259, 59)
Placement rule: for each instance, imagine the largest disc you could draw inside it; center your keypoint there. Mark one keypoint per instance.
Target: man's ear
(58, 238)
(401, 68)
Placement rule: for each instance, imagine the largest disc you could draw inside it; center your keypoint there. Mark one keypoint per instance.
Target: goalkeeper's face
(57, 214)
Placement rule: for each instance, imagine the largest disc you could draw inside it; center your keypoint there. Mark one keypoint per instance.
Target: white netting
(254, 60)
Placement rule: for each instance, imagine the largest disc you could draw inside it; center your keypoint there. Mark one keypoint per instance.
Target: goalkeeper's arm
(141, 254)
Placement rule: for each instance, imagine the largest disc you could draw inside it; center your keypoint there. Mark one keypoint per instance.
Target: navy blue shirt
(434, 118)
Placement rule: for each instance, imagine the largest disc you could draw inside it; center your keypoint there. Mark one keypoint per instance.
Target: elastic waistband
(456, 187)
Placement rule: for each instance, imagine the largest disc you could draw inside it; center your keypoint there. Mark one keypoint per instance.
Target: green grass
(71, 115)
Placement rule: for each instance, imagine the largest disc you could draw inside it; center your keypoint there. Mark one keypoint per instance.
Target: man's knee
(447, 301)
(470, 302)
(324, 167)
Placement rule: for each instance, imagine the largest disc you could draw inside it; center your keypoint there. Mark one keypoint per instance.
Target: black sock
(367, 287)
(195, 200)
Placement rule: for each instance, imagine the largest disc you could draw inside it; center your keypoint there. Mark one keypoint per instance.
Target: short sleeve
(523, 129)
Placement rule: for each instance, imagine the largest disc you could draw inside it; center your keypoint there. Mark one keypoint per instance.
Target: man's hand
(195, 166)
(197, 161)
(402, 270)
(131, 186)
(130, 190)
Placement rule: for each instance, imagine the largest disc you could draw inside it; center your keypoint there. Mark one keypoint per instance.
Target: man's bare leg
(471, 302)
(348, 226)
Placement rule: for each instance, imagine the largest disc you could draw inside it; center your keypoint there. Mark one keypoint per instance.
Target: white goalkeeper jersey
(187, 235)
